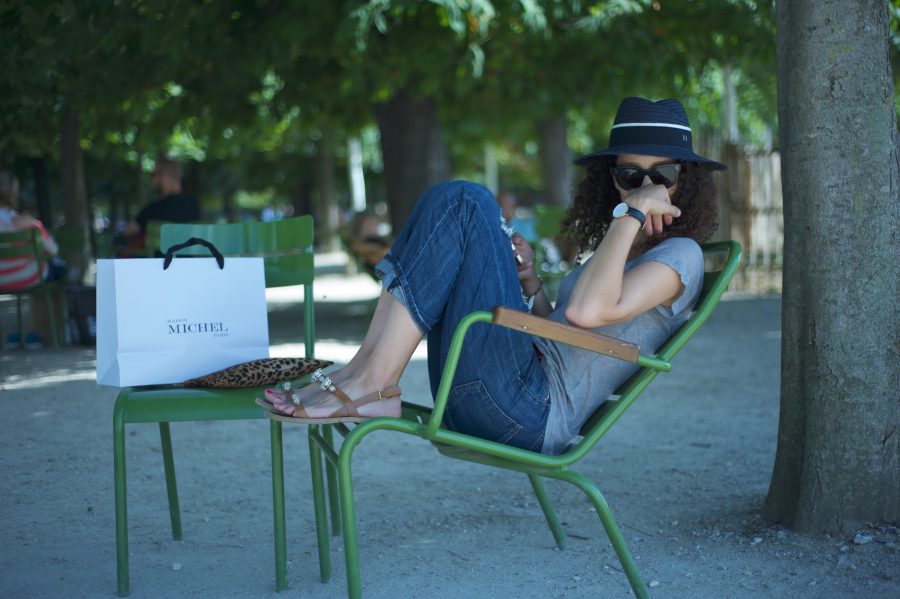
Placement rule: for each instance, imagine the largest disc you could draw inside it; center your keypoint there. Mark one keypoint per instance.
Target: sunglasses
(632, 177)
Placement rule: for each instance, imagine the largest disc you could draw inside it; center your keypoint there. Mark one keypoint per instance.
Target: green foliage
(247, 87)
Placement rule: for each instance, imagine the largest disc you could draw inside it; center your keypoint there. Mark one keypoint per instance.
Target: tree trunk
(355, 175)
(71, 166)
(412, 147)
(42, 191)
(556, 161)
(838, 459)
(301, 199)
(326, 206)
(192, 184)
(230, 210)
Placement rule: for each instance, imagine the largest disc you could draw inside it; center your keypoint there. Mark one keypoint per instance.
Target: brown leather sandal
(347, 412)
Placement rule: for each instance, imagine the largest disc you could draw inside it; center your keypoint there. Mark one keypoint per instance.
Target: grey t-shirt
(581, 380)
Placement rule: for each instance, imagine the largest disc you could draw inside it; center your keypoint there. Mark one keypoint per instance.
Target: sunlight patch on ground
(334, 288)
(14, 381)
(339, 353)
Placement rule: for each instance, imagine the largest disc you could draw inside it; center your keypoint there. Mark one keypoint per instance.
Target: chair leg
(318, 489)
(275, 433)
(334, 503)
(348, 519)
(549, 513)
(165, 438)
(612, 531)
(122, 576)
(51, 313)
(20, 321)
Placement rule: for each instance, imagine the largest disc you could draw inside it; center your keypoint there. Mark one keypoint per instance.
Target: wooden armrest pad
(550, 329)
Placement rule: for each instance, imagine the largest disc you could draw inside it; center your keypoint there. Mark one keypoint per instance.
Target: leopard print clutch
(257, 373)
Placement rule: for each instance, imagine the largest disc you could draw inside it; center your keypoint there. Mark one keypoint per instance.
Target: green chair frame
(26, 243)
(420, 421)
(287, 250)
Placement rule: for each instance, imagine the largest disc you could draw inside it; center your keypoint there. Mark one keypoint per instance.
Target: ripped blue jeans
(450, 259)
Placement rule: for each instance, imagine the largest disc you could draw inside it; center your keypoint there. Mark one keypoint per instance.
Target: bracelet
(529, 299)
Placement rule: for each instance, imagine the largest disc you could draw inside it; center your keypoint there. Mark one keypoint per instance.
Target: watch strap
(634, 212)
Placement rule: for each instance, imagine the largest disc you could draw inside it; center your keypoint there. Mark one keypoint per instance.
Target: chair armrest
(565, 333)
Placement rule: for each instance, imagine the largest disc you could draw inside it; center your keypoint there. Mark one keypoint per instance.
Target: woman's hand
(654, 202)
(528, 277)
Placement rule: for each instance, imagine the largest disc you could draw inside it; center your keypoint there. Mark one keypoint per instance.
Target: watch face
(620, 210)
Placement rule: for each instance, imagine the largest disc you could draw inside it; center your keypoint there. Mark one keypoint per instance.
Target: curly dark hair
(591, 213)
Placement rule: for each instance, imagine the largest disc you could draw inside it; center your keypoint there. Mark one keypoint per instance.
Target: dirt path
(685, 473)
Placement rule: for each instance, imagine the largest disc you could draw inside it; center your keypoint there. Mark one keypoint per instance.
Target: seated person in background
(19, 274)
(22, 273)
(172, 206)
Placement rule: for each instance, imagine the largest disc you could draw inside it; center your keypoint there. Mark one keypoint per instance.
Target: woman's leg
(452, 257)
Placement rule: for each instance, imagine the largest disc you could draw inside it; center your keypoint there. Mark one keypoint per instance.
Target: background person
(19, 274)
(172, 205)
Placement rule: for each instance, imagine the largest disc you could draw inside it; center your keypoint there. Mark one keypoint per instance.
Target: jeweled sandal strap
(326, 384)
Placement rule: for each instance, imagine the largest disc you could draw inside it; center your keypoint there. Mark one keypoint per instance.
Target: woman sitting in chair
(22, 273)
(643, 206)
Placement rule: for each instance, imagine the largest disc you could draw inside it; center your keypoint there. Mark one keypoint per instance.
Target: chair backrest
(22, 244)
(286, 247)
(715, 281)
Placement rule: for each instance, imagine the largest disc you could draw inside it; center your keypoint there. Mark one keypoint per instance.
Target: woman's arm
(605, 293)
(25, 221)
(531, 283)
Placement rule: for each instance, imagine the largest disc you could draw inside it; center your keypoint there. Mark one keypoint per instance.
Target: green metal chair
(286, 247)
(26, 243)
(423, 422)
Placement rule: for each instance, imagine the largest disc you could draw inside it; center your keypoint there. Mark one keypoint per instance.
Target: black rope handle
(170, 253)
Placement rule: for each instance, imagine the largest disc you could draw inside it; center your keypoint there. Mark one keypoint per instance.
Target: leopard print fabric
(257, 373)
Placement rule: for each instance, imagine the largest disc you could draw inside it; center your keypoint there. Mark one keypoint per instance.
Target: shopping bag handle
(170, 253)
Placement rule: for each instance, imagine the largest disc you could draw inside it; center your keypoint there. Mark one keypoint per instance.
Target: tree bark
(74, 191)
(556, 161)
(326, 206)
(838, 459)
(413, 150)
(42, 191)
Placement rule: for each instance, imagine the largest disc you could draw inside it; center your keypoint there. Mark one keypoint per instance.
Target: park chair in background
(286, 247)
(26, 244)
(423, 422)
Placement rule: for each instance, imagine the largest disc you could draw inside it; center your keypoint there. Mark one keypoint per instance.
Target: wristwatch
(622, 209)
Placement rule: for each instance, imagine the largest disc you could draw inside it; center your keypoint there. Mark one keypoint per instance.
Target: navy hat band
(650, 135)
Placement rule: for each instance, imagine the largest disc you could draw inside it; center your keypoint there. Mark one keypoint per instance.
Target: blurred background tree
(268, 101)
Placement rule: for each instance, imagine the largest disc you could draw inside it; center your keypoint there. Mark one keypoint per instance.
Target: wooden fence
(752, 213)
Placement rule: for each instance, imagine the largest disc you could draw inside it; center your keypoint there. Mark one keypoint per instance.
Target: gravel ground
(685, 472)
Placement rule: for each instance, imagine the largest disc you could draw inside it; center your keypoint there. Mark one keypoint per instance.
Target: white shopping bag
(157, 326)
